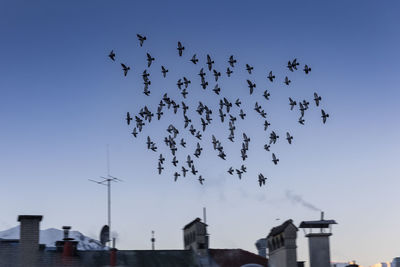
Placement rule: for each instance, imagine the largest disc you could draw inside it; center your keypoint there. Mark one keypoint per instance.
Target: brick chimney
(29, 238)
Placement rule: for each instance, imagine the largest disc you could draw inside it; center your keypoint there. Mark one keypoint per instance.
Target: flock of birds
(224, 113)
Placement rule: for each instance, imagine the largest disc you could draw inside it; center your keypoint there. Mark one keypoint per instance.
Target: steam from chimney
(297, 199)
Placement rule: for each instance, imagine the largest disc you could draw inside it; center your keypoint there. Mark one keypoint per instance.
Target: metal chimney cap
(30, 217)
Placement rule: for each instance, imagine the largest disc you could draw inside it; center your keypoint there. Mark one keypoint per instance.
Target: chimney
(68, 245)
(261, 245)
(29, 238)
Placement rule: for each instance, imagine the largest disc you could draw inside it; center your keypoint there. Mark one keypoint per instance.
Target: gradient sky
(62, 101)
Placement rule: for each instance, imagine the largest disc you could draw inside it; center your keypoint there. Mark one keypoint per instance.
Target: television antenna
(106, 181)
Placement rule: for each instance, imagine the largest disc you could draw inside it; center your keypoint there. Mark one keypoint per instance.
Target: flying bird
(150, 59)
(174, 161)
(161, 159)
(251, 86)
(176, 175)
(128, 118)
(216, 75)
(324, 115)
(274, 159)
(180, 48)
(164, 71)
(289, 138)
(307, 69)
(141, 39)
(201, 179)
(249, 68)
(317, 99)
(266, 95)
(134, 132)
(112, 55)
(209, 62)
(271, 77)
(229, 72)
(160, 168)
(194, 59)
(232, 61)
(230, 171)
(287, 81)
(125, 69)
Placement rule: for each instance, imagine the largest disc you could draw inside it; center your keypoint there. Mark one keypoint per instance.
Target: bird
(184, 171)
(292, 103)
(317, 99)
(271, 77)
(266, 124)
(194, 59)
(184, 93)
(287, 81)
(179, 84)
(161, 159)
(141, 39)
(180, 48)
(273, 137)
(251, 86)
(148, 142)
(222, 115)
(230, 171)
(217, 89)
(301, 120)
(267, 147)
(261, 179)
(249, 68)
(266, 95)
(290, 66)
(324, 116)
(150, 59)
(239, 173)
(164, 71)
(289, 138)
(201, 179)
(125, 69)
(209, 62)
(232, 61)
(237, 102)
(245, 138)
(307, 69)
(174, 161)
(242, 114)
(186, 82)
(202, 73)
(183, 143)
(176, 175)
(112, 55)
(128, 118)
(204, 84)
(216, 75)
(194, 171)
(189, 161)
(134, 132)
(229, 72)
(243, 168)
(274, 159)
(160, 168)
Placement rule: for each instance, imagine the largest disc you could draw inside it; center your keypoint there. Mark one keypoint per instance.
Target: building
(26, 251)
(281, 243)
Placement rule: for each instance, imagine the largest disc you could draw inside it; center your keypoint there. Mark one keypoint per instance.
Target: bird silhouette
(128, 118)
(201, 179)
(275, 160)
(251, 86)
(194, 59)
(289, 138)
(287, 81)
(180, 49)
(112, 55)
(141, 39)
(249, 68)
(307, 69)
(150, 59)
(317, 99)
(271, 77)
(164, 71)
(229, 72)
(209, 62)
(125, 69)
(261, 179)
(232, 61)
(324, 116)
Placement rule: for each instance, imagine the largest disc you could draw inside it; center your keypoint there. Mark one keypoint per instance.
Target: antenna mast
(106, 181)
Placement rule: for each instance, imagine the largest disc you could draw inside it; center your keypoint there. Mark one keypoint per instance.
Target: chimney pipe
(29, 238)
(113, 257)
(322, 215)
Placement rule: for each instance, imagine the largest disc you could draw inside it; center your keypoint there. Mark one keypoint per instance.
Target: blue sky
(62, 101)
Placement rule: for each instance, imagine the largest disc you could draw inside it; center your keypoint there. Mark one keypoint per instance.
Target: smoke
(297, 199)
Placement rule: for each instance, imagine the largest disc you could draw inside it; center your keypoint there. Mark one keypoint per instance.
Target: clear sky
(62, 101)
